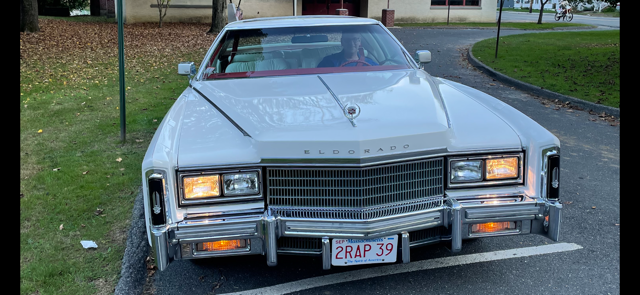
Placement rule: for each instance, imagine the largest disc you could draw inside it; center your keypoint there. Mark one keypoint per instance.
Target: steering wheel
(355, 61)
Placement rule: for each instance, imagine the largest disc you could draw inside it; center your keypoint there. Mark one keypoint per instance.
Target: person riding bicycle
(563, 7)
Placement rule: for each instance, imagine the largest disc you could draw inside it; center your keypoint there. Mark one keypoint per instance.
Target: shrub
(609, 9)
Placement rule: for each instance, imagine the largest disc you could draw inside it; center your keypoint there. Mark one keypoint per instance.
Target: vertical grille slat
(358, 193)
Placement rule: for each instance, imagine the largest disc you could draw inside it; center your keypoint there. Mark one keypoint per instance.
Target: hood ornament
(352, 112)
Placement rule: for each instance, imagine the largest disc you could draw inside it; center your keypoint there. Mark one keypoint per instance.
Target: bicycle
(566, 16)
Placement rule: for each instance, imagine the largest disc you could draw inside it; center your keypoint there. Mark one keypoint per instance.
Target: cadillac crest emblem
(352, 111)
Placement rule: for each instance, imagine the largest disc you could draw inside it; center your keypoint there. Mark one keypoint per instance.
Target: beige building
(405, 10)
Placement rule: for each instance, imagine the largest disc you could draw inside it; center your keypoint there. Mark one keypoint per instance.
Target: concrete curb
(538, 91)
(134, 268)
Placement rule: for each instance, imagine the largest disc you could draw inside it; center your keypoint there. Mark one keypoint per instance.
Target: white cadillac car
(324, 136)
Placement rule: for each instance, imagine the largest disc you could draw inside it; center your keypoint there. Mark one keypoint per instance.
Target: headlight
(485, 170)
(465, 171)
(198, 187)
(241, 184)
(502, 168)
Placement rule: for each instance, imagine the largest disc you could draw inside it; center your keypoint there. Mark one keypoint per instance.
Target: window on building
(455, 2)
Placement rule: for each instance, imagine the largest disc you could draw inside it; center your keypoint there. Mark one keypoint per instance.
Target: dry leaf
(119, 159)
(492, 84)
(98, 211)
(82, 225)
(61, 226)
(40, 131)
(83, 173)
(155, 120)
(121, 169)
(56, 169)
(593, 207)
(139, 140)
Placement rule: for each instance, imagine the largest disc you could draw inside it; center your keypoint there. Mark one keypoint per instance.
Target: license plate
(364, 251)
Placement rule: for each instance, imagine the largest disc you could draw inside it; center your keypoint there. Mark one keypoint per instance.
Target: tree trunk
(29, 16)
(218, 16)
(530, 6)
(541, 10)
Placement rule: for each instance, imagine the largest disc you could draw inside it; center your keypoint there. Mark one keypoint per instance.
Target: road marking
(410, 267)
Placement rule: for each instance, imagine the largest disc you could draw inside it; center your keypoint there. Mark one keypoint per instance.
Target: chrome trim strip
(501, 212)
(326, 253)
(319, 228)
(222, 112)
(456, 225)
(406, 251)
(271, 240)
(337, 99)
(497, 234)
(347, 162)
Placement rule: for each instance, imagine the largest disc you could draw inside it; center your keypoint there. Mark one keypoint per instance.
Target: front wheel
(558, 16)
(569, 16)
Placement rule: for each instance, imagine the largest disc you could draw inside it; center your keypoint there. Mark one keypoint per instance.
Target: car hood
(297, 118)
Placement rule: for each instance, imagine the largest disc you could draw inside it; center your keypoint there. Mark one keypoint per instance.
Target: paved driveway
(590, 180)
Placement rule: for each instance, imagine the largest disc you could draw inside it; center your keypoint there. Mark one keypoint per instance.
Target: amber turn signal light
(492, 227)
(223, 245)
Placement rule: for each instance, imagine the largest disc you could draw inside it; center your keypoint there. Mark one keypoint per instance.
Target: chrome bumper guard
(532, 215)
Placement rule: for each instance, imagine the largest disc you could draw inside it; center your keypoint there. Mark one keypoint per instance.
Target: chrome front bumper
(532, 215)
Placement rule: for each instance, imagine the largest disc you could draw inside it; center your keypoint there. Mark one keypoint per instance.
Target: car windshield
(304, 50)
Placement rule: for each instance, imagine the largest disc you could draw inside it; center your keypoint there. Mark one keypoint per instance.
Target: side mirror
(423, 57)
(186, 68)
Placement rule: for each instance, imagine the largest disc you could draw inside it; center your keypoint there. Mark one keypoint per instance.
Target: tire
(569, 16)
(558, 16)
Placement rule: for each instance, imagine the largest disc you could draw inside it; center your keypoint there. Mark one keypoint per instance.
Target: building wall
(422, 11)
(141, 10)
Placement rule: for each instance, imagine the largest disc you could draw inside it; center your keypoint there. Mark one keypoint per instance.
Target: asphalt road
(610, 22)
(590, 175)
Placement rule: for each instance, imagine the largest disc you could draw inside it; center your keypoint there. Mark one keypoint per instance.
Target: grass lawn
(78, 181)
(583, 65)
(515, 25)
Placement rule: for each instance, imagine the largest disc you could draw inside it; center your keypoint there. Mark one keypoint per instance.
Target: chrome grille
(356, 193)
(424, 235)
(296, 243)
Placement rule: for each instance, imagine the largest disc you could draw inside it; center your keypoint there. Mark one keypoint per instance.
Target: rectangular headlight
(466, 171)
(502, 168)
(241, 184)
(199, 187)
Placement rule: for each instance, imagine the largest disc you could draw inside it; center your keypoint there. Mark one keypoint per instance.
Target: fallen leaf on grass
(98, 211)
(154, 120)
(121, 169)
(40, 131)
(61, 226)
(139, 140)
(56, 169)
(119, 159)
(84, 173)
(82, 225)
